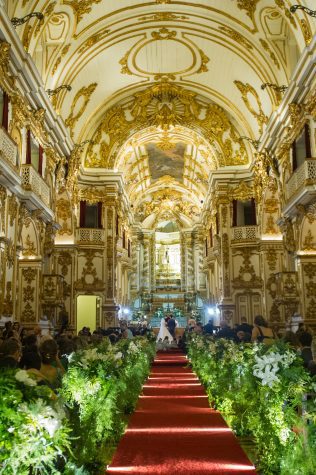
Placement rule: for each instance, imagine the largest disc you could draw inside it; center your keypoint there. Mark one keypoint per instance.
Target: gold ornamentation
(311, 310)
(81, 7)
(286, 227)
(270, 226)
(275, 314)
(49, 240)
(164, 105)
(163, 34)
(10, 253)
(29, 249)
(236, 36)
(307, 32)
(47, 13)
(28, 314)
(63, 209)
(74, 116)
(281, 4)
(3, 197)
(92, 40)
(64, 51)
(246, 89)
(89, 279)
(266, 47)
(204, 60)
(247, 278)
(64, 260)
(242, 192)
(248, 5)
(308, 243)
(295, 111)
(124, 63)
(29, 274)
(26, 38)
(162, 16)
(272, 259)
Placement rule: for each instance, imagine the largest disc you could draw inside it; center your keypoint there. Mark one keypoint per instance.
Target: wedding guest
(292, 339)
(10, 353)
(261, 331)
(225, 331)
(208, 328)
(51, 368)
(305, 339)
(244, 326)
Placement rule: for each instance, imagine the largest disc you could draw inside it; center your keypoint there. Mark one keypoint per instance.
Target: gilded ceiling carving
(76, 112)
(282, 5)
(162, 16)
(184, 56)
(246, 89)
(164, 105)
(81, 7)
(236, 36)
(249, 6)
(266, 47)
(166, 203)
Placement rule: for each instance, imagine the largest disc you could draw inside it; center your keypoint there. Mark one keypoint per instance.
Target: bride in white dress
(164, 332)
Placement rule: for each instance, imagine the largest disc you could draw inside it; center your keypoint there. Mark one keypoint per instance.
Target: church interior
(157, 157)
(133, 131)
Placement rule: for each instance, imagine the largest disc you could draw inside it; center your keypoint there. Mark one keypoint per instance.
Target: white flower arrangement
(23, 377)
(43, 416)
(118, 356)
(132, 348)
(90, 356)
(268, 365)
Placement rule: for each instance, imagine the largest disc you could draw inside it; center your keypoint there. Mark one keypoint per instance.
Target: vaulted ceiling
(165, 90)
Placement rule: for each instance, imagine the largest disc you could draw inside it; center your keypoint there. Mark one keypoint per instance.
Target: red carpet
(174, 432)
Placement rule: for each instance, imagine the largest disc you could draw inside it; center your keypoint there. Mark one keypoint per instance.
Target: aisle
(174, 432)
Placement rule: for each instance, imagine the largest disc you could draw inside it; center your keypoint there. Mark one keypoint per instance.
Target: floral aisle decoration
(34, 430)
(69, 433)
(101, 387)
(259, 390)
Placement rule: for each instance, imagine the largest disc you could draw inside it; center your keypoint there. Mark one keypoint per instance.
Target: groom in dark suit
(172, 326)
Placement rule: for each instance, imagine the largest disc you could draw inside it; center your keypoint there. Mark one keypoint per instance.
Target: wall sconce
(20, 21)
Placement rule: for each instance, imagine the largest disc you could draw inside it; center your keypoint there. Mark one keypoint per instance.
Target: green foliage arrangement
(45, 433)
(34, 431)
(259, 391)
(101, 387)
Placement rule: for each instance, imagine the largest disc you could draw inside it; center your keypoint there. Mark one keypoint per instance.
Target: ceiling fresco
(166, 162)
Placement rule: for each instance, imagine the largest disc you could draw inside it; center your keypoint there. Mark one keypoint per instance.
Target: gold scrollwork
(164, 105)
(81, 7)
(74, 116)
(246, 89)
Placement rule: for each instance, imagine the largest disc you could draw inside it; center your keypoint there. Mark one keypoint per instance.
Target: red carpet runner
(174, 432)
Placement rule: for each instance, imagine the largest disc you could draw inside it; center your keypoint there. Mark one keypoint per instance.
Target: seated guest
(244, 326)
(243, 337)
(225, 331)
(292, 339)
(261, 331)
(10, 353)
(51, 368)
(305, 339)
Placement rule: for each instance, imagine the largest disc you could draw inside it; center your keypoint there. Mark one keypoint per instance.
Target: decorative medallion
(164, 53)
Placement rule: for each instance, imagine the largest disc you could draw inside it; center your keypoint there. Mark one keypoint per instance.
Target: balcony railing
(90, 236)
(305, 175)
(245, 233)
(32, 181)
(8, 148)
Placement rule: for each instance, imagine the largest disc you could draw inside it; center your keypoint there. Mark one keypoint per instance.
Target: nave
(174, 431)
